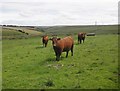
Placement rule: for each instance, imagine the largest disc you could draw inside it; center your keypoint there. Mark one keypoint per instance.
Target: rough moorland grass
(26, 64)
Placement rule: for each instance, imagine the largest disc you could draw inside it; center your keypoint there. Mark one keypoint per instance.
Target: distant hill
(28, 31)
(99, 29)
(18, 32)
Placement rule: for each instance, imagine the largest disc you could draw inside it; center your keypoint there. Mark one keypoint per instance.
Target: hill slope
(19, 32)
(100, 29)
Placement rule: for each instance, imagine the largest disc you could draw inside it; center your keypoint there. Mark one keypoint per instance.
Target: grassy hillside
(13, 32)
(27, 64)
(99, 29)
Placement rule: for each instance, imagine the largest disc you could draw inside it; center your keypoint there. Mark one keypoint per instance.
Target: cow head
(44, 36)
(54, 40)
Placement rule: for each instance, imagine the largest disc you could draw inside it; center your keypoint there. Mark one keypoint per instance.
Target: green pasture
(26, 64)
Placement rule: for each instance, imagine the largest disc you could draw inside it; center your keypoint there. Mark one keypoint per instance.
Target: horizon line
(57, 25)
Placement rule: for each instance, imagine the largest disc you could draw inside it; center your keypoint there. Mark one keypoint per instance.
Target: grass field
(13, 33)
(26, 64)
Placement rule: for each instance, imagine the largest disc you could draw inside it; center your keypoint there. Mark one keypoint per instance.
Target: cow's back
(66, 43)
(81, 35)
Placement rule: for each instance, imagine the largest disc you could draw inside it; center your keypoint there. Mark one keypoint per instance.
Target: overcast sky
(58, 12)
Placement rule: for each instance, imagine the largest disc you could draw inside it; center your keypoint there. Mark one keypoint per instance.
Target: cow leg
(56, 54)
(67, 54)
(72, 51)
(58, 57)
(83, 40)
(45, 44)
(80, 41)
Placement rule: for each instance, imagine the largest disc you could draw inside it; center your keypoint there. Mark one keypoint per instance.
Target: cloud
(58, 12)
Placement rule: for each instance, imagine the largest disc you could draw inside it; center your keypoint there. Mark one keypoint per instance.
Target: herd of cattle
(63, 45)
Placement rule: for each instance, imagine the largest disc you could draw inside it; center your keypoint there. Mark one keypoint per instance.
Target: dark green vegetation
(26, 64)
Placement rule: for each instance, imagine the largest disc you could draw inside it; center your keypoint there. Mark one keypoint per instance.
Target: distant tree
(40, 29)
(4, 25)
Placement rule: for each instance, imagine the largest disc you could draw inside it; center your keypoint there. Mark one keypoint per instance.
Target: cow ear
(58, 38)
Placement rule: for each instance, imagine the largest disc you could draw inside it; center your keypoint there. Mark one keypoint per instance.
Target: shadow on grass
(78, 44)
(62, 57)
(50, 59)
(39, 47)
(54, 59)
(47, 61)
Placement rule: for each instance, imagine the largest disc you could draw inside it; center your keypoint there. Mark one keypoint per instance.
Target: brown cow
(62, 45)
(45, 40)
(81, 36)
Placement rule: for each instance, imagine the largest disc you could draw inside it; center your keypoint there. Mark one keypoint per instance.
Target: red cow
(62, 45)
(45, 40)
(81, 36)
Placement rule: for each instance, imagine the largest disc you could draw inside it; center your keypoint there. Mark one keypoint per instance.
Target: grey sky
(58, 12)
